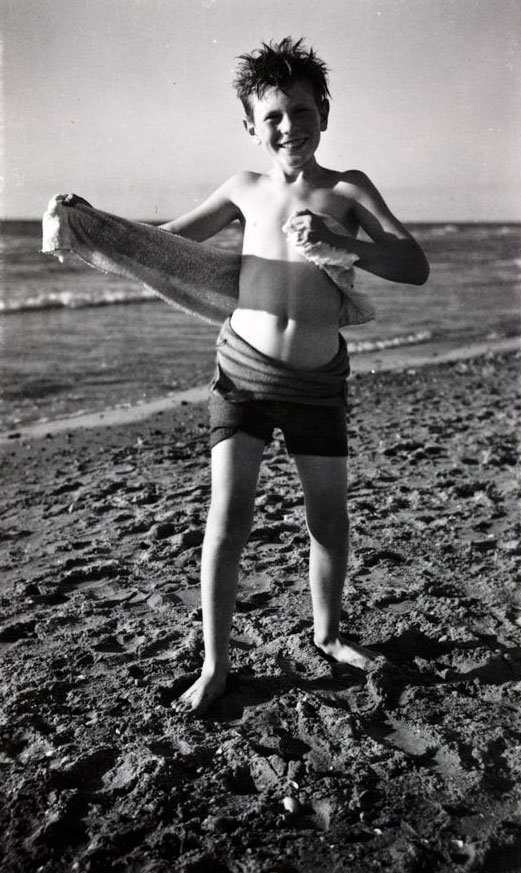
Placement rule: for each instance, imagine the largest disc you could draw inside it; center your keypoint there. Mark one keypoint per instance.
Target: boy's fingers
(72, 199)
(292, 222)
(302, 217)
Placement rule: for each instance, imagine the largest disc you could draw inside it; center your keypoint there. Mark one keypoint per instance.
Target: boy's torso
(288, 308)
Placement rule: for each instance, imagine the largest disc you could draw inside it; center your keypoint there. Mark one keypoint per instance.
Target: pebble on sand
(291, 805)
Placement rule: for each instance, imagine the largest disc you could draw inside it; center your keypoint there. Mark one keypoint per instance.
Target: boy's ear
(249, 127)
(324, 114)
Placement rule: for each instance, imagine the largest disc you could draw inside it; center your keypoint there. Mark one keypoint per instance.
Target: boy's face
(288, 124)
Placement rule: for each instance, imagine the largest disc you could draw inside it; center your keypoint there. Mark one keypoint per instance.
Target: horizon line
(158, 221)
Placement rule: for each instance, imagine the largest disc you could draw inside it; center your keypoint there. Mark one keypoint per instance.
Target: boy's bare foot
(200, 696)
(344, 652)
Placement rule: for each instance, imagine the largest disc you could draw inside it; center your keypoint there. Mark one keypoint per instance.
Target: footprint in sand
(254, 590)
(162, 648)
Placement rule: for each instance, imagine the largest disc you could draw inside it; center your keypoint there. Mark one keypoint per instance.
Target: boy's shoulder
(354, 179)
(240, 183)
(357, 186)
(244, 179)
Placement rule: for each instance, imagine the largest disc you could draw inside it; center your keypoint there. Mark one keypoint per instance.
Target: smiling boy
(281, 359)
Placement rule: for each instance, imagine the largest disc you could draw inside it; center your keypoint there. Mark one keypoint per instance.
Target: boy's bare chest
(271, 207)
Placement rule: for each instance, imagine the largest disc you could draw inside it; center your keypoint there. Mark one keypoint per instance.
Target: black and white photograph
(259, 515)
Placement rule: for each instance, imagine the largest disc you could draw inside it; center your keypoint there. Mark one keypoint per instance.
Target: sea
(74, 340)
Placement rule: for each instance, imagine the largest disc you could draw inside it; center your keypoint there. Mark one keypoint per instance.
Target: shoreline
(378, 361)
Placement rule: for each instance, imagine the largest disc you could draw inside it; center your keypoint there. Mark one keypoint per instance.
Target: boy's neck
(308, 173)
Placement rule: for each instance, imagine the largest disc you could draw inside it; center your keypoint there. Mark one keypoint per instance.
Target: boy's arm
(393, 253)
(217, 211)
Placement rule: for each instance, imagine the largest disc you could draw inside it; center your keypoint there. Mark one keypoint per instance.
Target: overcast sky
(128, 102)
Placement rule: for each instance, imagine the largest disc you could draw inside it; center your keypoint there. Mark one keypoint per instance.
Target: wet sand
(303, 766)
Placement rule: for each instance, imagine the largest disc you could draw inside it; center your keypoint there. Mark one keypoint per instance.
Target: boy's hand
(65, 200)
(306, 228)
(73, 200)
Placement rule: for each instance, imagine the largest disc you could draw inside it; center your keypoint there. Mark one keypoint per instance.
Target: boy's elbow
(424, 272)
(421, 274)
(419, 268)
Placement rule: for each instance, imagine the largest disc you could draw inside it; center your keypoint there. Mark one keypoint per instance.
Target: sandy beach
(303, 766)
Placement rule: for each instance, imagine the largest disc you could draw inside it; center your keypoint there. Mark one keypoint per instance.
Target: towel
(338, 265)
(243, 373)
(200, 280)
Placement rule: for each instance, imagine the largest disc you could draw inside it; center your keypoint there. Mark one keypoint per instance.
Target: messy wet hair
(278, 65)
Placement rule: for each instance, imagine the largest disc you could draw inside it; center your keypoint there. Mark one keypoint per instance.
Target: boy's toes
(188, 701)
(200, 696)
(181, 704)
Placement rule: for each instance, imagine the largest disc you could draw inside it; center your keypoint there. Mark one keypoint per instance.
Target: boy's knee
(331, 530)
(228, 529)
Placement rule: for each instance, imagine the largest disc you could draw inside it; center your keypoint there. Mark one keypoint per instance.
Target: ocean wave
(507, 262)
(430, 231)
(374, 345)
(475, 232)
(76, 300)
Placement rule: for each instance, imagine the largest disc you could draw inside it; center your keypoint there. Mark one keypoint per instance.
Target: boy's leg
(235, 471)
(324, 481)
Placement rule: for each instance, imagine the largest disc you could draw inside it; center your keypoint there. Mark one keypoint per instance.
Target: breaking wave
(374, 345)
(77, 300)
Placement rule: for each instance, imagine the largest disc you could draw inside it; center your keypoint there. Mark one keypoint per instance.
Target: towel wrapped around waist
(198, 279)
(244, 374)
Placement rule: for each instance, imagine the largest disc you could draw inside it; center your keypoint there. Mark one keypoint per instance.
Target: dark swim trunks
(254, 393)
(307, 429)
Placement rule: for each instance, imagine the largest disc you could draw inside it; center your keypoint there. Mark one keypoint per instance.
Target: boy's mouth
(292, 144)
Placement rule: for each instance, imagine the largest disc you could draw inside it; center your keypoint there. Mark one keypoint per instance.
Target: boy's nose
(286, 124)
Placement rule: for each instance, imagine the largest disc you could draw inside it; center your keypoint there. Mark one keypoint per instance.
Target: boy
(281, 359)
